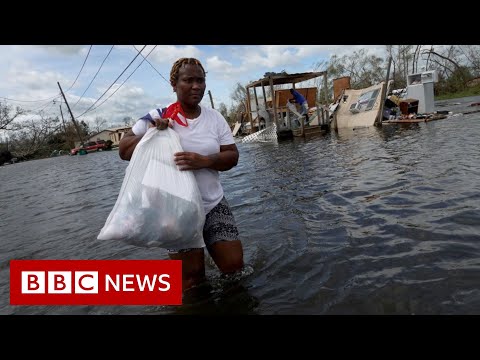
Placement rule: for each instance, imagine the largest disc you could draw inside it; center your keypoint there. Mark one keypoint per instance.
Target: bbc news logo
(95, 282)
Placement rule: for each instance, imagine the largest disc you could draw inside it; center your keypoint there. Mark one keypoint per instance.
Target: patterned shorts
(219, 225)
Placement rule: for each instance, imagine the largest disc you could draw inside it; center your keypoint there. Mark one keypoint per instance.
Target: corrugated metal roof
(118, 128)
(285, 79)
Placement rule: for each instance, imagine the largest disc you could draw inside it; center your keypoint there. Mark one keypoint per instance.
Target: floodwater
(372, 221)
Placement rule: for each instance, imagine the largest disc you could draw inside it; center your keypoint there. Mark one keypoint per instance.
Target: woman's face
(190, 85)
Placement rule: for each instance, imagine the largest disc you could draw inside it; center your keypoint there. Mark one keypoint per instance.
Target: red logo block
(95, 282)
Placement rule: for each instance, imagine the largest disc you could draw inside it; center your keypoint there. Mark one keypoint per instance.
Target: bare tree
(98, 124)
(70, 135)
(416, 58)
(6, 118)
(363, 69)
(406, 55)
(448, 57)
(453, 67)
(239, 96)
(472, 57)
(406, 59)
(222, 108)
(127, 121)
(32, 139)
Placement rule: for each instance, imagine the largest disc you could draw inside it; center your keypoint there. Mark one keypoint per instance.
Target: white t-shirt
(203, 135)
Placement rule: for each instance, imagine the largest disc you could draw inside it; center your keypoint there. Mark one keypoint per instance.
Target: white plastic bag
(158, 205)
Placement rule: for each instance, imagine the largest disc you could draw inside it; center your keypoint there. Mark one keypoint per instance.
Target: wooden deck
(309, 131)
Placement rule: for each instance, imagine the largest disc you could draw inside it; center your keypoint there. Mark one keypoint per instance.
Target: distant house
(113, 134)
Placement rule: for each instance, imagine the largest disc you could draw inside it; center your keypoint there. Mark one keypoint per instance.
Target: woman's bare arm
(127, 145)
(226, 159)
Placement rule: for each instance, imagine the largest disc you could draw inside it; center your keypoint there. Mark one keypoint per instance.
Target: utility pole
(211, 99)
(70, 111)
(63, 120)
(72, 143)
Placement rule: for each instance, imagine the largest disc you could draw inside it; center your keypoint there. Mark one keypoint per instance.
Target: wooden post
(318, 117)
(211, 99)
(65, 129)
(249, 110)
(264, 97)
(63, 120)
(256, 98)
(289, 119)
(378, 121)
(256, 104)
(303, 125)
(275, 117)
(265, 103)
(70, 111)
(325, 84)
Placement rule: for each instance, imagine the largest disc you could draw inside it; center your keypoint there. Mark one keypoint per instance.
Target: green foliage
(239, 93)
(239, 107)
(473, 91)
(363, 69)
(84, 129)
(222, 108)
(455, 83)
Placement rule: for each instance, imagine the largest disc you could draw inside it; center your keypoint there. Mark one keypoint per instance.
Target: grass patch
(473, 91)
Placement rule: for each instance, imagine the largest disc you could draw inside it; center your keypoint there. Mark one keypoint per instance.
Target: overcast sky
(31, 73)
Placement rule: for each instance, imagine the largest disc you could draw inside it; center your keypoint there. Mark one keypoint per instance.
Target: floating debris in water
(267, 134)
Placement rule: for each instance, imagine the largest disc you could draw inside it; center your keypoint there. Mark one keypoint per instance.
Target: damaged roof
(280, 79)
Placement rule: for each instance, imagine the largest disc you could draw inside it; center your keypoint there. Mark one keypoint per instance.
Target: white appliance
(420, 87)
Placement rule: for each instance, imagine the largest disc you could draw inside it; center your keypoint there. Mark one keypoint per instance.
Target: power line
(45, 105)
(51, 98)
(94, 76)
(38, 112)
(152, 66)
(47, 99)
(84, 61)
(124, 81)
(91, 106)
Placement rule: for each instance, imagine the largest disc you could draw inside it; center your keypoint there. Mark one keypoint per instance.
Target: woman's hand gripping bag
(158, 205)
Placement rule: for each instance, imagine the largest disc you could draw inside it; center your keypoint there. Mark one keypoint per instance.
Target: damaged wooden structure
(274, 112)
(359, 108)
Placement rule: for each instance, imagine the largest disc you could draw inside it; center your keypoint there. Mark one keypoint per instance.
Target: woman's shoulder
(211, 112)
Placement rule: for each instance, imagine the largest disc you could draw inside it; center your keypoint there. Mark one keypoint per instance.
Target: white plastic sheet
(158, 205)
